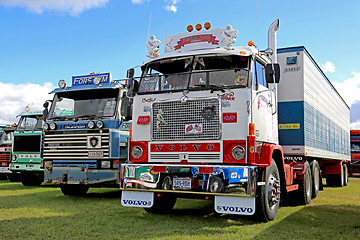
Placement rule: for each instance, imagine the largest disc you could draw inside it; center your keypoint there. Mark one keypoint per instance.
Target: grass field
(44, 213)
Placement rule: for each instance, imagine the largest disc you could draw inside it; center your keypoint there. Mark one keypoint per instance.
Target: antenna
(257, 25)
(147, 36)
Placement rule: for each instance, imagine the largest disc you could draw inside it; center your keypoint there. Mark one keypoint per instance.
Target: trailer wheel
(268, 199)
(305, 186)
(216, 184)
(74, 190)
(346, 174)
(316, 178)
(162, 203)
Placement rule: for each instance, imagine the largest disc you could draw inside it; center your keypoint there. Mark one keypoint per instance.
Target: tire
(162, 204)
(167, 183)
(74, 190)
(346, 174)
(305, 186)
(14, 177)
(339, 178)
(316, 178)
(268, 198)
(32, 179)
(216, 184)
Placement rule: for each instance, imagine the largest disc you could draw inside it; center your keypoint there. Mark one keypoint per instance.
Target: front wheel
(163, 203)
(74, 190)
(268, 199)
(32, 179)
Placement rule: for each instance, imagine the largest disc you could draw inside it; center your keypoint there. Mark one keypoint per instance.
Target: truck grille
(193, 119)
(75, 145)
(4, 156)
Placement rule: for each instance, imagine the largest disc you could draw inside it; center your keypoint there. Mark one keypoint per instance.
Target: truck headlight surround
(46, 126)
(91, 124)
(52, 126)
(137, 152)
(13, 158)
(96, 80)
(100, 124)
(62, 84)
(238, 152)
(105, 164)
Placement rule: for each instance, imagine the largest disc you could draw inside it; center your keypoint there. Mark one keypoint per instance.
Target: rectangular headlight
(105, 164)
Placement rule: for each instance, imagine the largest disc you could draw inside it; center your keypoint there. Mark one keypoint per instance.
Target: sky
(43, 41)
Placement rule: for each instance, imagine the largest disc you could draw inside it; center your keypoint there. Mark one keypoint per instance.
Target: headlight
(13, 158)
(238, 152)
(96, 80)
(105, 164)
(46, 126)
(137, 152)
(52, 126)
(91, 124)
(100, 124)
(62, 84)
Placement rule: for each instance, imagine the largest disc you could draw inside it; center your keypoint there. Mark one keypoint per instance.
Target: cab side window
(259, 74)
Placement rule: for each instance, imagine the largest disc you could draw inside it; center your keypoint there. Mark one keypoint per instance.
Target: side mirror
(272, 72)
(130, 73)
(126, 107)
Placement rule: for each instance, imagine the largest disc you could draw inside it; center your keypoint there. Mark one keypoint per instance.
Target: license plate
(96, 154)
(182, 183)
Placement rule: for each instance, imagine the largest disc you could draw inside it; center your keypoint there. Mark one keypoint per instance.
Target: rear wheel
(306, 186)
(268, 199)
(346, 174)
(316, 178)
(74, 190)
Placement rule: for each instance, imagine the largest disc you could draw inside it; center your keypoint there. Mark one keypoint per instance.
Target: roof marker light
(251, 43)
(198, 27)
(190, 28)
(207, 25)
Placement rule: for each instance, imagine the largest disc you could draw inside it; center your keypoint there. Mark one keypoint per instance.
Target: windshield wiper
(90, 116)
(59, 118)
(216, 88)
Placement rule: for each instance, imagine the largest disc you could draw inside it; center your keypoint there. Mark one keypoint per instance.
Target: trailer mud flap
(235, 205)
(137, 199)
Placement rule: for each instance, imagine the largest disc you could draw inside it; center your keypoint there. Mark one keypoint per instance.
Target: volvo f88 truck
(86, 133)
(27, 149)
(239, 126)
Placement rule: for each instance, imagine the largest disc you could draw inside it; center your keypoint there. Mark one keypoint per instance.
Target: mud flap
(137, 199)
(235, 205)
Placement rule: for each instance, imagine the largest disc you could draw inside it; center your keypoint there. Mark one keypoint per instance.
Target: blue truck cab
(86, 133)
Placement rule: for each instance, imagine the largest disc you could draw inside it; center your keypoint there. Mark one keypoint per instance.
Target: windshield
(85, 104)
(195, 72)
(30, 123)
(355, 146)
(5, 138)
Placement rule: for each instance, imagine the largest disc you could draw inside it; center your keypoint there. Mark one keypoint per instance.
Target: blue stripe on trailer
(316, 130)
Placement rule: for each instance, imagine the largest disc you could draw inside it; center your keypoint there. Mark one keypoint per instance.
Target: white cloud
(139, 1)
(171, 7)
(355, 125)
(73, 7)
(328, 67)
(349, 89)
(15, 97)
